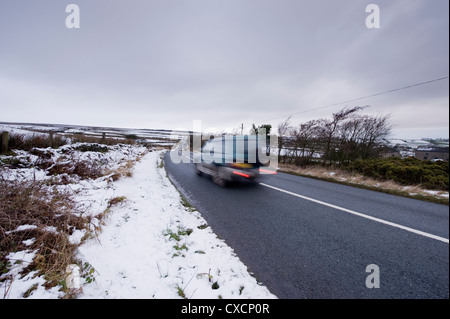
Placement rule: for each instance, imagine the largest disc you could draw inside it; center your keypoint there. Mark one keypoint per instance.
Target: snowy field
(148, 244)
(159, 137)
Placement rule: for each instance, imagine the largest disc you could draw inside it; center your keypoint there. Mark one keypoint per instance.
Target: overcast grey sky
(165, 63)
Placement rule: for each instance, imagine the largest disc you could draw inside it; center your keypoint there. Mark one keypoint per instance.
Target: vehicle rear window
(232, 149)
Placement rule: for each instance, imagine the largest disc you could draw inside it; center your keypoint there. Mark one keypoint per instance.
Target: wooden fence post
(4, 142)
(50, 139)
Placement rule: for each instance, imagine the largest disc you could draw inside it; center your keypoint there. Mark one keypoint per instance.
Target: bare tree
(376, 129)
(361, 136)
(330, 128)
(306, 141)
(345, 137)
(283, 130)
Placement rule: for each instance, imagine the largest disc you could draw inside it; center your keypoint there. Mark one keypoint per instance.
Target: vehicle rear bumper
(232, 174)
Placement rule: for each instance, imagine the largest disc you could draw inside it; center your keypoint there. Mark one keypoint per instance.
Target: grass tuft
(116, 200)
(50, 219)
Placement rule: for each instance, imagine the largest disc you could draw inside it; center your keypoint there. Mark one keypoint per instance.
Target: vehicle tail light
(241, 174)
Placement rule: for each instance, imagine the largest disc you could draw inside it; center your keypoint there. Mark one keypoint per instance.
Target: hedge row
(408, 171)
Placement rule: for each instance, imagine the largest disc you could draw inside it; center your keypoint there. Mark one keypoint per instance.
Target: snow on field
(148, 244)
(153, 247)
(156, 137)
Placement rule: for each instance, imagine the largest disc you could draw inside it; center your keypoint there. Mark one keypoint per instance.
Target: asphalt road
(305, 238)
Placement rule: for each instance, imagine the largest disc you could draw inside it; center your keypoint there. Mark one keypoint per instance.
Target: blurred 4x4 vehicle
(231, 158)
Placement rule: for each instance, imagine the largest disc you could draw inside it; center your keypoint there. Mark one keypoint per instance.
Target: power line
(368, 96)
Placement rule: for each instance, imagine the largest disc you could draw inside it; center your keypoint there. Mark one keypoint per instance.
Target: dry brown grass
(22, 142)
(52, 216)
(83, 168)
(124, 170)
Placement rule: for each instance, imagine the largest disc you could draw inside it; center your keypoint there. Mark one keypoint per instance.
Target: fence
(4, 137)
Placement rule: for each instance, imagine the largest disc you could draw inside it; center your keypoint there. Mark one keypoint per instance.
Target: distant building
(431, 153)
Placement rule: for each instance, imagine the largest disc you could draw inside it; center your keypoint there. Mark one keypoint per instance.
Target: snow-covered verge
(141, 241)
(338, 175)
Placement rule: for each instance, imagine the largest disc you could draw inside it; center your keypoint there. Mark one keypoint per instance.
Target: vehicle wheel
(199, 172)
(219, 180)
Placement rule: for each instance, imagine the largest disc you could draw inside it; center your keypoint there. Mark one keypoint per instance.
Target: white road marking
(379, 220)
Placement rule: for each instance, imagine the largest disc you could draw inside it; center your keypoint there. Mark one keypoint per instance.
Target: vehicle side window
(212, 151)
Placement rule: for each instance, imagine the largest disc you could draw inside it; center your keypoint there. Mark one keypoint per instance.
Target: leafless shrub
(345, 137)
